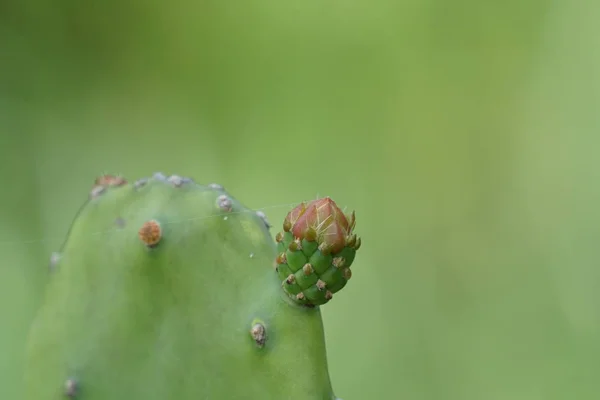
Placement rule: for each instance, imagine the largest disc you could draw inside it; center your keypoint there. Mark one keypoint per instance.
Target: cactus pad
(316, 249)
(164, 289)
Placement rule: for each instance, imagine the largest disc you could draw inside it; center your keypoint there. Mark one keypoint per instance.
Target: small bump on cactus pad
(258, 332)
(150, 233)
(316, 249)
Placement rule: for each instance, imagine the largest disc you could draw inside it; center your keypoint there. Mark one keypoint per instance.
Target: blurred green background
(464, 133)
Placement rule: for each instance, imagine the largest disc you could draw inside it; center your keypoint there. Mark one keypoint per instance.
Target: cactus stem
(259, 333)
(150, 233)
(263, 309)
(71, 387)
(97, 191)
(321, 285)
(224, 203)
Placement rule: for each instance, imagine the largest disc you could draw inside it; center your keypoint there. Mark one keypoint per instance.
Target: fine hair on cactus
(165, 288)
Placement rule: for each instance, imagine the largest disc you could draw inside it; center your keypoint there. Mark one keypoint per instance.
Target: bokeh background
(464, 133)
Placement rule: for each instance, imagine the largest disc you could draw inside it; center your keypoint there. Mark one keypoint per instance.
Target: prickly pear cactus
(168, 289)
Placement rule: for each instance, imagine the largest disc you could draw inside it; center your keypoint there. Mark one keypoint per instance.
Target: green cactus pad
(165, 289)
(316, 249)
